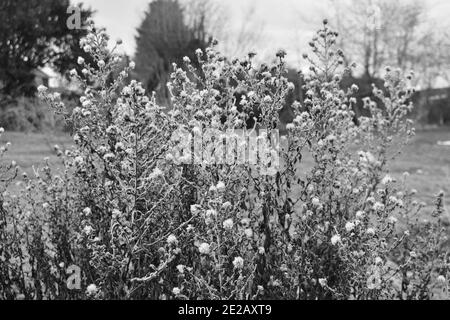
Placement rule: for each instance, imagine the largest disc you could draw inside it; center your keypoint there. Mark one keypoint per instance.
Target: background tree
(376, 33)
(432, 61)
(173, 29)
(165, 38)
(34, 34)
(236, 38)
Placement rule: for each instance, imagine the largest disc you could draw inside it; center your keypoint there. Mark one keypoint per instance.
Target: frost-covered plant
(143, 219)
(8, 172)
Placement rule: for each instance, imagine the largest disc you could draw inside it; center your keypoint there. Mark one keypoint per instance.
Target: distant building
(432, 106)
(31, 81)
(56, 82)
(40, 78)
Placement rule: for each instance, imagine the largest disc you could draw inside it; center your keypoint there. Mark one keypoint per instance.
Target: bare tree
(215, 19)
(203, 17)
(376, 33)
(432, 59)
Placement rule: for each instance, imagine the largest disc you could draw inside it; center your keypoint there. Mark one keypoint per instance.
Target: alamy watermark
(258, 149)
(73, 22)
(73, 281)
(374, 17)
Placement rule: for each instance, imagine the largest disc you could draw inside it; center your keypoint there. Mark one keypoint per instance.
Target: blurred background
(39, 45)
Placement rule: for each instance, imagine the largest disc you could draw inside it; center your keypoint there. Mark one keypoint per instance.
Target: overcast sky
(287, 24)
(280, 18)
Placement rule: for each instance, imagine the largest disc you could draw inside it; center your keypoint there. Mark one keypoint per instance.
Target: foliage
(142, 225)
(28, 114)
(164, 37)
(34, 34)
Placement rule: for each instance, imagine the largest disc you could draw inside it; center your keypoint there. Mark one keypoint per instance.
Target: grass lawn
(427, 163)
(31, 149)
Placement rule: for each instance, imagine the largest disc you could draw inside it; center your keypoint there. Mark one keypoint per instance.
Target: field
(427, 163)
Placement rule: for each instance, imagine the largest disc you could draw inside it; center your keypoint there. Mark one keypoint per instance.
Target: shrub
(28, 114)
(143, 219)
